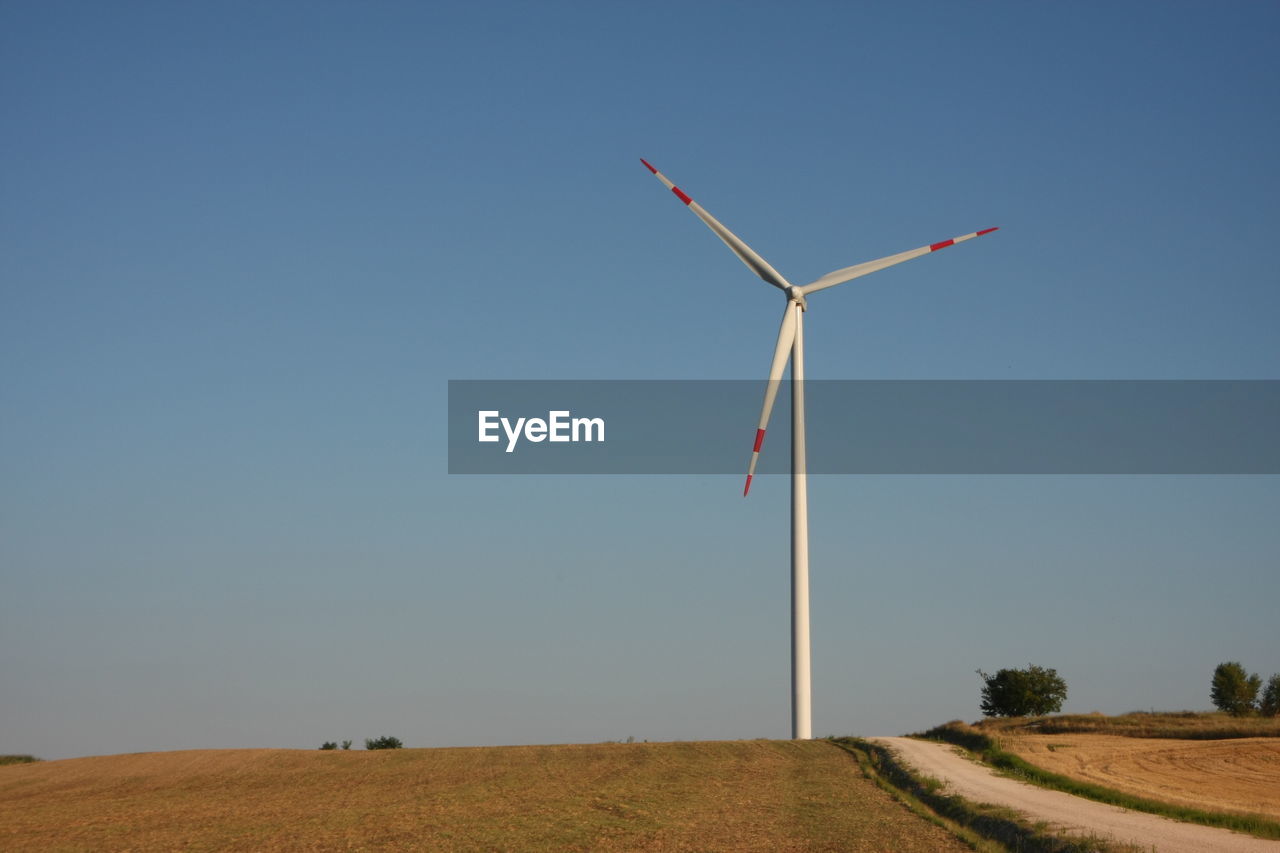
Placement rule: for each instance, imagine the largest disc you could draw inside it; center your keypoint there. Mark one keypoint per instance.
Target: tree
(1233, 689)
(1270, 704)
(384, 742)
(329, 745)
(346, 744)
(1033, 691)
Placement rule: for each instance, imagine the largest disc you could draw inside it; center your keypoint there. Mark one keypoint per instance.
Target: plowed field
(1238, 775)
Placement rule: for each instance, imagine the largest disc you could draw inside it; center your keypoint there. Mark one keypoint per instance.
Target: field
(1238, 775)
(1207, 768)
(738, 795)
(1178, 725)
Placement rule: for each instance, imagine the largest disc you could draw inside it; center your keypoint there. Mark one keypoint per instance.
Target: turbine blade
(781, 354)
(831, 279)
(745, 253)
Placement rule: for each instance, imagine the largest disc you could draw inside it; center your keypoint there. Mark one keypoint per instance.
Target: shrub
(346, 744)
(384, 742)
(328, 745)
(1270, 704)
(1233, 689)
(1033, 691)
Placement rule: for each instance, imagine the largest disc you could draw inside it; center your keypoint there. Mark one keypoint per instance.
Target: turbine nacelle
(796, 295)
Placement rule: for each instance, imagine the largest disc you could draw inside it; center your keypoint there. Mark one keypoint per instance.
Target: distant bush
(1033, 691)
(17, 759)
(961, 734)
(384, 742)
(1270, 704)
(1233, 689)
(346, 744)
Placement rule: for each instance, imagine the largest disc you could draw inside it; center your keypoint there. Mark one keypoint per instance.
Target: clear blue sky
(243, 247)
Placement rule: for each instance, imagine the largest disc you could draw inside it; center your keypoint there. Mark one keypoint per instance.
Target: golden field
(1239, 775)
(735, 795)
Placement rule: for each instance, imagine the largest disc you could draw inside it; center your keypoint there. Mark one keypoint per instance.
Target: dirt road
(976, 782)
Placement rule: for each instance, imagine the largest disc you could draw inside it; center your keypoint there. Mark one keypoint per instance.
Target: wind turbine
(791, 344)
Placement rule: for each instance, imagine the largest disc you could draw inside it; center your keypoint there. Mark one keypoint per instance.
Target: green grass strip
(913, 804)
(989, 751)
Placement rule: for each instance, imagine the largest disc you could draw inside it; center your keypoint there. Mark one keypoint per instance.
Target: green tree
(1033, 691)
(1233, 689)
(1270, 704)
(384, 742)
(329, 745)
(346, 744)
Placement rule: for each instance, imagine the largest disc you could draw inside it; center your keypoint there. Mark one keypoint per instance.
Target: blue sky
(244, 246)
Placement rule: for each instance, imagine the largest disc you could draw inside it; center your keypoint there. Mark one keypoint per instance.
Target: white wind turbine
(791, 343)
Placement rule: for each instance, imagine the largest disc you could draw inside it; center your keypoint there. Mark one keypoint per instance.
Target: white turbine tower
(791, 344)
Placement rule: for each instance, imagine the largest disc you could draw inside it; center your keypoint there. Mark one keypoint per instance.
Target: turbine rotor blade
(745, 253)
(781, 354)
(831, 279)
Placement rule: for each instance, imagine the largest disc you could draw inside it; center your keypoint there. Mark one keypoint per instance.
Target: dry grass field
(1239, 775)
(737, 795)
(1178, 725)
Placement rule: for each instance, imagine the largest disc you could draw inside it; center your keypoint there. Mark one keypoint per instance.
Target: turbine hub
(794, 294)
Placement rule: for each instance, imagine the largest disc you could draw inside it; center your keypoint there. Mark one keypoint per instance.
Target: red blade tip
(988, 231)
(747, 487)
(648, 166)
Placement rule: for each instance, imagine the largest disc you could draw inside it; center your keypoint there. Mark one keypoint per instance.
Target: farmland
(1237, 775)
(1208, 761)
(737, 795)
